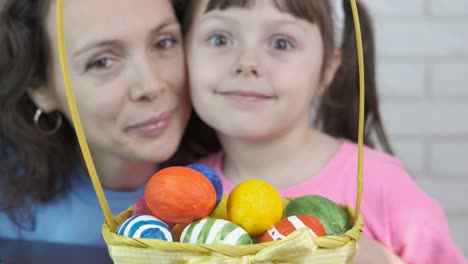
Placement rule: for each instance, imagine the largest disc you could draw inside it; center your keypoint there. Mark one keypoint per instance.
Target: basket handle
(357, 27)
(84, 145)
(77, 122)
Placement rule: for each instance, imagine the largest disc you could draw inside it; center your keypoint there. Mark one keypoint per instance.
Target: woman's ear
(44, 98)
(329, 71)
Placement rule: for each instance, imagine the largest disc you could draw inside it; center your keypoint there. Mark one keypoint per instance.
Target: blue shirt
(75, 217)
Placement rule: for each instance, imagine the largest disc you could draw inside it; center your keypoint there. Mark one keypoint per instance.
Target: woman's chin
(158, 154)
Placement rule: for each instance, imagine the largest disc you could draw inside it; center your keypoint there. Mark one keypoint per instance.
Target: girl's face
(254, 71)
(127, 68)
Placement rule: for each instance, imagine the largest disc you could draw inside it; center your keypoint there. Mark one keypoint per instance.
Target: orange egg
(180, 195)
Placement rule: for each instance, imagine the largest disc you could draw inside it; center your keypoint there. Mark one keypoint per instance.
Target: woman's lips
(153, 126)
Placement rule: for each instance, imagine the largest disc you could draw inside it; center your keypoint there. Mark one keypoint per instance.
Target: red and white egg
(288, 225)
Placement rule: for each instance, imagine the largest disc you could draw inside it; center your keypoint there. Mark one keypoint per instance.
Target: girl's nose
(247, 64)
(246, 70)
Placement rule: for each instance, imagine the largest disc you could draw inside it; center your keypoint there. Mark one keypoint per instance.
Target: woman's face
(127, 70)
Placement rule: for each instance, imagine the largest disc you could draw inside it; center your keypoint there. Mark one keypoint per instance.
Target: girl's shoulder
(399, 213)
(387, 183)
(371, 155)
(384, 175)
(377, 163)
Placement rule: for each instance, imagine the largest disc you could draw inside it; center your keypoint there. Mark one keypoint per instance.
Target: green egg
(215, 231)
(333, 217)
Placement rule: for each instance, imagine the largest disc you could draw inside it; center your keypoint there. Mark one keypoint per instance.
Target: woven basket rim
(323, 242)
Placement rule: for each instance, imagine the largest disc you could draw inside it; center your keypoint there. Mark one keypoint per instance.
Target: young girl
(255, 68)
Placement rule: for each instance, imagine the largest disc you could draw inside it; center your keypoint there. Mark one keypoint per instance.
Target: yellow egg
(220, 212)
(255, 205)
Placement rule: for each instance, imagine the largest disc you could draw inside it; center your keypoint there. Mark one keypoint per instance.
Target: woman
(127, 69)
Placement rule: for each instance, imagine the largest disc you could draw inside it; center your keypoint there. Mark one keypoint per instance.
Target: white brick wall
(423, 76)
(450, 80)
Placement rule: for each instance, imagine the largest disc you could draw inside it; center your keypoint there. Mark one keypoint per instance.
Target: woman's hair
(34, 167)
(337, 114)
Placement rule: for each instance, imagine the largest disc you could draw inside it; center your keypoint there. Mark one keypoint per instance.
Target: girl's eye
(166, 43)
(100, 64)
(282, 44)
(219, 40)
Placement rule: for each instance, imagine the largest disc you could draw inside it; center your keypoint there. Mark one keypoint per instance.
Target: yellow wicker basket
(298, 247)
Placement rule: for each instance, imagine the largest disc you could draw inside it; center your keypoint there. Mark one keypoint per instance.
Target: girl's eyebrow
(208, 16)
(285, 22)
(101, 43)
(275, 23)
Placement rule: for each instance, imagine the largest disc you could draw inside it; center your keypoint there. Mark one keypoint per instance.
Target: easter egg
(212, 176)
(254, 205)
(288, 225)
(140, 208)
(215, 231)
(286, 201)
(177, 231)
(330, 214)
(220, 212)
(180, 195)
(145, 226)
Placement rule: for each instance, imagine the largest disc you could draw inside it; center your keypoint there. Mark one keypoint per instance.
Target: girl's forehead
(310, 10)
(256, 9)
(262, 13)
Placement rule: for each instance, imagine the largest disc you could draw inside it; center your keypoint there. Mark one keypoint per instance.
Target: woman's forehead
(91, 20)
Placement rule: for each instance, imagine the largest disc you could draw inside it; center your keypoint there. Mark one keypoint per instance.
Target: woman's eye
(100, 64)
(282, 44)
(166, 43)
(219, 40)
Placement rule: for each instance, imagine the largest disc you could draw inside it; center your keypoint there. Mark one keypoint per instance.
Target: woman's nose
(148, 84)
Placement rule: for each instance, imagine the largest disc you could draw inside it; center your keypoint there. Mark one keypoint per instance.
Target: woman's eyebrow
(101, 43)
(92, 45)
(165, 24)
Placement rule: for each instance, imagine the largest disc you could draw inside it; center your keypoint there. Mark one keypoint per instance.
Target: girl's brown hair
(337, 113)
(34, 167)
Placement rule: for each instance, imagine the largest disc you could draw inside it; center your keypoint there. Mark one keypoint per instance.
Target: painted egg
(145, 226)
(288, 225)
(333, 217)
(212, 176)
(215, 231)
(177, 231)
(220, 212)
(180, 195)
(140, 208)
(255, 205)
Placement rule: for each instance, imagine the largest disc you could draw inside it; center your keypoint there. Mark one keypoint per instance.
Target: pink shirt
(396, 211)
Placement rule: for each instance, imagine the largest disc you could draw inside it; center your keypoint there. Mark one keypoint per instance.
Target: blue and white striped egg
(145, 226)
(215, 231)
